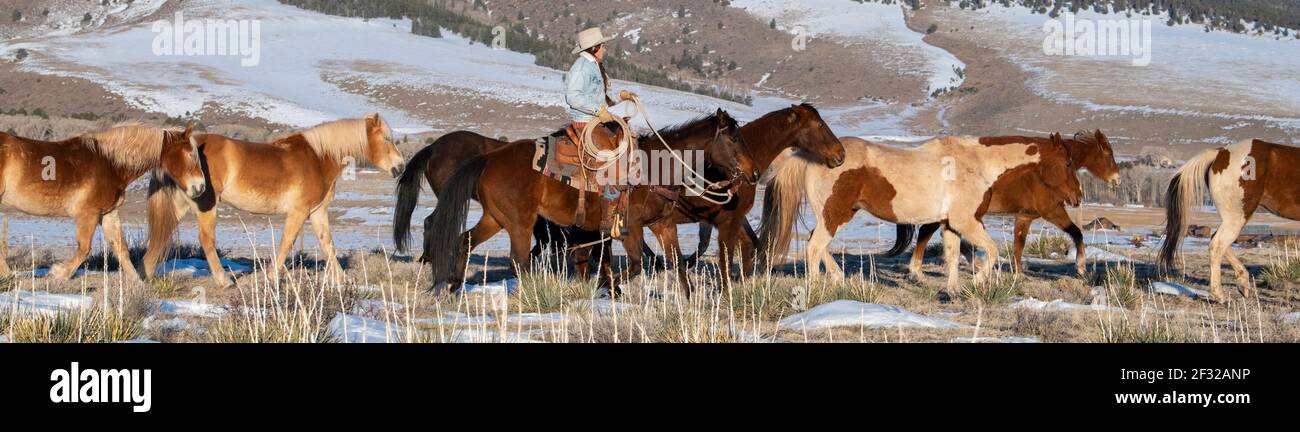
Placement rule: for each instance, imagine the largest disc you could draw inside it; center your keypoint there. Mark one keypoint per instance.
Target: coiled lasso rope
(607, 158)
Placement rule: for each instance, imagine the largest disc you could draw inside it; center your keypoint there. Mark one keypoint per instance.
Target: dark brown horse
(1027, 196)
(514, 195)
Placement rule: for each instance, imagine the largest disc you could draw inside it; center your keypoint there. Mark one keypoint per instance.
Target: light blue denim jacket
(584, 89)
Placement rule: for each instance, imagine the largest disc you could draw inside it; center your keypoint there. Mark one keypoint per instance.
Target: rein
(703, 192)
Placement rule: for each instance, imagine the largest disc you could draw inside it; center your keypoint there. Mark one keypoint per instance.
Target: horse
(799, 126)
(1027, 197)
(294, 176)
(86, 177)
(435, 163)
(1240, 178)
(946, 179)
(513, 195)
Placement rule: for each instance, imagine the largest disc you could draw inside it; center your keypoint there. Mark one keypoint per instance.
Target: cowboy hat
(589, 38)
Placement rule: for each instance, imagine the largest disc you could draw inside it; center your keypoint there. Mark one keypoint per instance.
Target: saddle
(561, 157)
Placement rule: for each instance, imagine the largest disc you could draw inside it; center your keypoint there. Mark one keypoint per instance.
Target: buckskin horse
(294, 176)
(946, 180)
(1025, 195)
(513, 195)
(799, 126)
(86, 177)
(1240, 178)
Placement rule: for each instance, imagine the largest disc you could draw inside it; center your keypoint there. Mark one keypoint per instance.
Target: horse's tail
(163, 219)
(903, 239)
(408, 195)
(442, 229)
(1186, 190)
(781, 202)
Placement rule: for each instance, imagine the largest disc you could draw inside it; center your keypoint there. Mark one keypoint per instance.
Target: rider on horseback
(586, 87)
(586, 92)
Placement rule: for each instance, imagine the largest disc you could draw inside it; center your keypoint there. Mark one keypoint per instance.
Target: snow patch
(199, 267)
(849, 313)
(1170, 288)
(1059, 305)
(1000, 339)
(185, 307)
(41, 302)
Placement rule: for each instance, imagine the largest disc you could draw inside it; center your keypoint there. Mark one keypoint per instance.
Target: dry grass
(299, 305)
(1049, 246)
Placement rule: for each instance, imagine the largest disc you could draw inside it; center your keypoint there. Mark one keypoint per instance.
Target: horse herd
(947, 183)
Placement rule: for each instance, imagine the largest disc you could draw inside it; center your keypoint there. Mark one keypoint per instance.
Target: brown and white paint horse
(85, 178)
(294, 176)
(1241, 178)
(1026, 195)
(946, 180)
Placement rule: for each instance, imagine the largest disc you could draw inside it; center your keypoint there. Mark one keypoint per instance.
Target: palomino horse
(943, 180)
(1241, 178)
(513, 196)
(294, 176)
(85, 178)
(1026, 196)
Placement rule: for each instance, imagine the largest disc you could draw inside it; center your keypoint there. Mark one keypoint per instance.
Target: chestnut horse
(945, 180)
(1241, 178)
(799, 127)
(293, 176)
(1026, 196)
(514, 195)
(85, 178)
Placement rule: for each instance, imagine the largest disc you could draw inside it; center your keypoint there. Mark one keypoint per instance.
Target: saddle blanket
(547, 162)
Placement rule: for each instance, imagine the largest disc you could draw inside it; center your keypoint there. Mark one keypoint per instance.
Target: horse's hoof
(943, 297)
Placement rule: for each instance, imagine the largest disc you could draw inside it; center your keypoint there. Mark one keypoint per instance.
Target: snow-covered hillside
(876, 24)
(1191, 72)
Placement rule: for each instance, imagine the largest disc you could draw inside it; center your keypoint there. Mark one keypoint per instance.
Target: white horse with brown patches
(944, 180)
(1241, 178)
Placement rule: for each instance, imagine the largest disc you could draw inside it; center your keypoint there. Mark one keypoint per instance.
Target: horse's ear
(794, 114)
(1100, 136)
(189, 130)
(372, 118)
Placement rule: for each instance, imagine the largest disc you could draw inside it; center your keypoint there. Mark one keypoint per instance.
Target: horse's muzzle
(397, 171)
(836, 161)
(197, 189)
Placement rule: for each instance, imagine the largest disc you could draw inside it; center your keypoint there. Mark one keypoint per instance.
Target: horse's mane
(1087, 137)
(678, 131)
(131, 145)
(341, 138)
